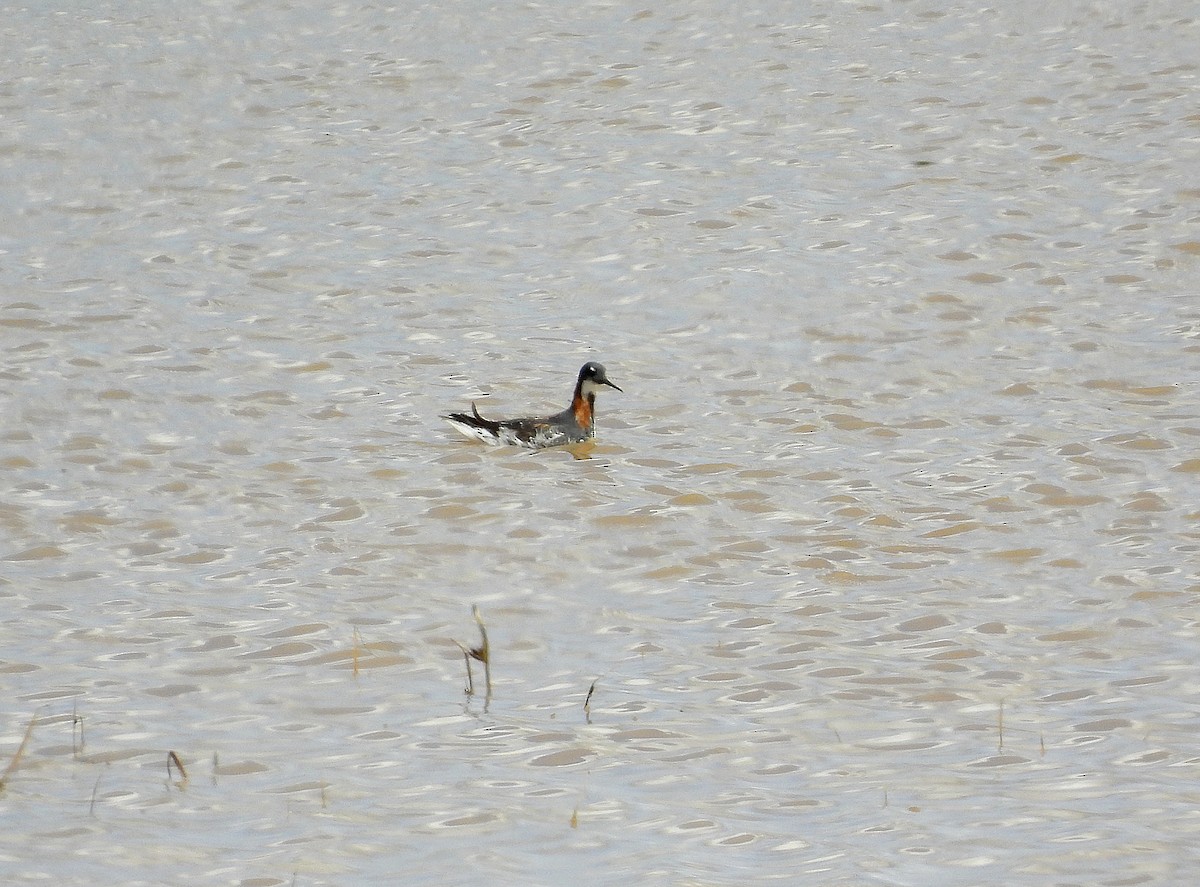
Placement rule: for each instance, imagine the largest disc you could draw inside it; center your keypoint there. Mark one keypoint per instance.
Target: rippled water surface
(882, 570)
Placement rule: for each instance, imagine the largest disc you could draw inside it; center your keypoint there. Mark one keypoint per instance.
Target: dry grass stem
(77, 723)
(16, 758)
(483, 654)
(173, 758)
(470, 688)
(95, 789)
(587, 702)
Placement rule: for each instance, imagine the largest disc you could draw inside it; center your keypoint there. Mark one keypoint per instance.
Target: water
(882, 569)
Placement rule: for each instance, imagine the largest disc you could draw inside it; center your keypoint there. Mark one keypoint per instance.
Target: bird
(575, 424)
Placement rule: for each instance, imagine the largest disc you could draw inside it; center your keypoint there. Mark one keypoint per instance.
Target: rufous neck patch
(583, 411)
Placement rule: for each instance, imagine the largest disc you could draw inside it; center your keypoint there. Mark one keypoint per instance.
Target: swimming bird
(575, 424)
